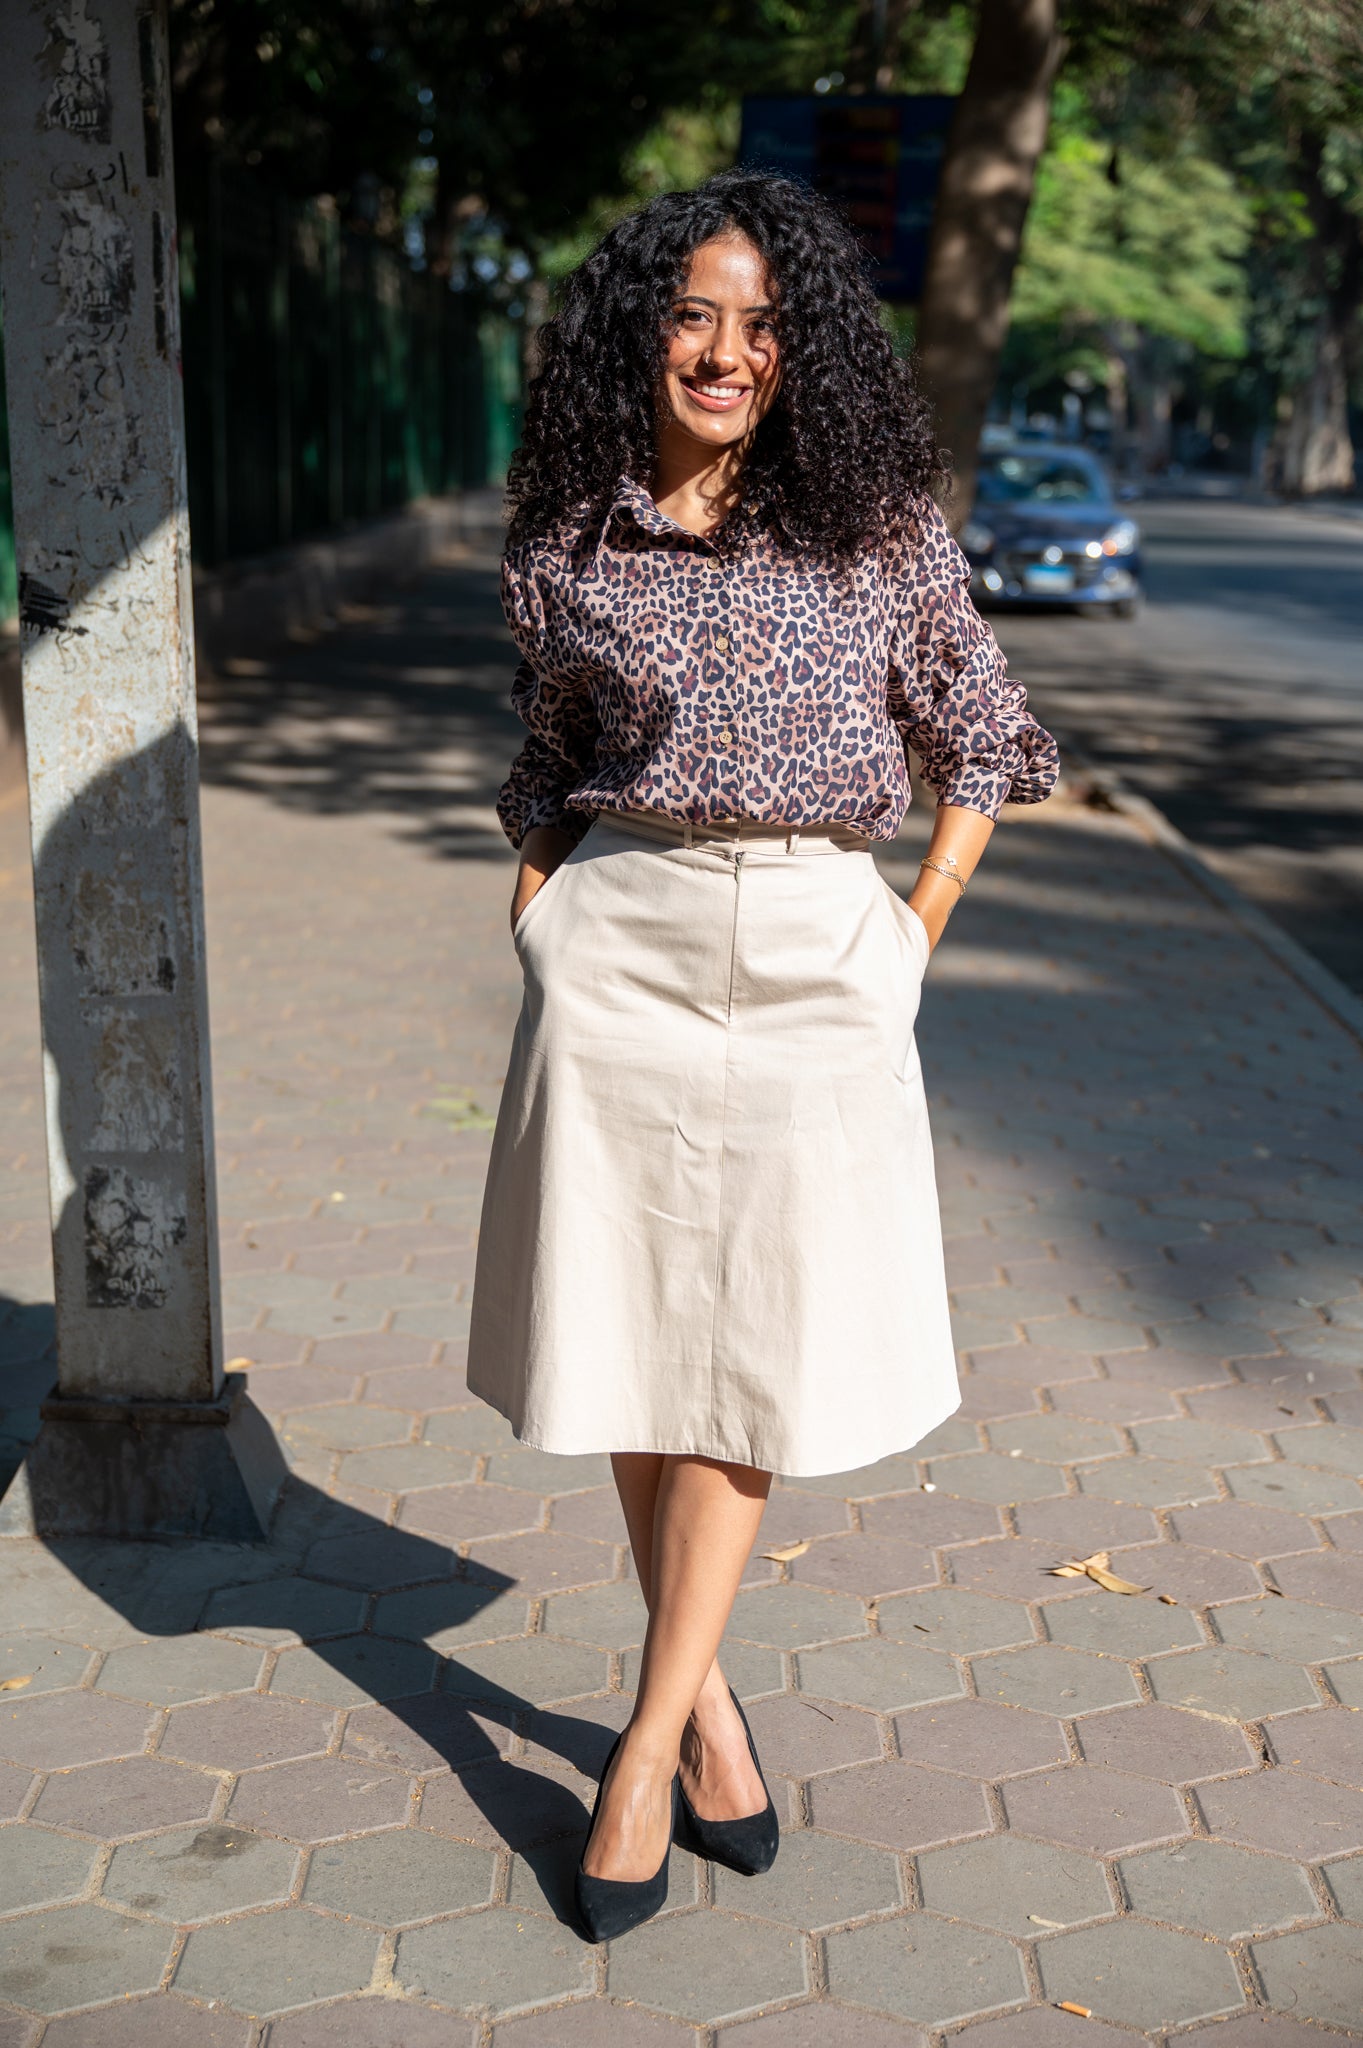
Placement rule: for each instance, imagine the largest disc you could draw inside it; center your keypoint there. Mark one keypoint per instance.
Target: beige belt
(731, 832)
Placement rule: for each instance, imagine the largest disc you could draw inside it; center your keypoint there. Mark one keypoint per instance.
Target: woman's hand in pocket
(543, 850)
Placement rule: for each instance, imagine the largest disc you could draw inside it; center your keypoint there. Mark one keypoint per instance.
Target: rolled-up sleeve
(950, 693)
(557, 709)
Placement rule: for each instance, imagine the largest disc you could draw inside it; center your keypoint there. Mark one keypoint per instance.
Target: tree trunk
(1312, 450)
(997, 135)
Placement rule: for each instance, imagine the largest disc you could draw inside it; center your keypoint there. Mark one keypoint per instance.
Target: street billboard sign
(879, 155)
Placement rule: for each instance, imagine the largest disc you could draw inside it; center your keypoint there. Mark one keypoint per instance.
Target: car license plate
(1048, 576)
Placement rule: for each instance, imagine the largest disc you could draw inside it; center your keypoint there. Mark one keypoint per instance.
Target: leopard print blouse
(663, 672)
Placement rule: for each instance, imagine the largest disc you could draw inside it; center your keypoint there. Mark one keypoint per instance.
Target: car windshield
(1040, 480)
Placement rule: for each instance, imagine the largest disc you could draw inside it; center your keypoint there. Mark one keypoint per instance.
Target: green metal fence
(326, 381)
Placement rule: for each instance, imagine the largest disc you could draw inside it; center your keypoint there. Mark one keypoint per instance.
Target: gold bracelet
(947, 868)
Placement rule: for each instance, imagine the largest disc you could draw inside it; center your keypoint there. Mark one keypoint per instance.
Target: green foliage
(1116, 236)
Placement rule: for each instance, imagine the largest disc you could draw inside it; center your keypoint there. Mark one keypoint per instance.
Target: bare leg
(705, 1518)
(718, 1775)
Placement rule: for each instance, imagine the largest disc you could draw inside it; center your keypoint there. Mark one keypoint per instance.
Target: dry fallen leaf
(239, 1364)
(787, 1552)
(1168, 1600)
(16, 1684)
(1068, 2005)
(1274, 1589)
(1044, 1923)
(1097, 1568)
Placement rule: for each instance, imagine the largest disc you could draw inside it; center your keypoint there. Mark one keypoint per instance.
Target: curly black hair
(847, 448)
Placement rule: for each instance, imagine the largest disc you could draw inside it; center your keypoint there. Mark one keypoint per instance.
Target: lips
(716, 396)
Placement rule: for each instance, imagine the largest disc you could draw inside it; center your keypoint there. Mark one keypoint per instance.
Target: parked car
(1046, 529)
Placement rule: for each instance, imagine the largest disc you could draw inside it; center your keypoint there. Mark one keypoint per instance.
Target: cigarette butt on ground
(1065, 2005)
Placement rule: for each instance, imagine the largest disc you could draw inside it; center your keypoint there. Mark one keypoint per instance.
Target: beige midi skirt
(710, 1225)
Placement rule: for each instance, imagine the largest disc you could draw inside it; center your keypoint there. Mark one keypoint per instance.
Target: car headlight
(1122, 539)
(976, 538)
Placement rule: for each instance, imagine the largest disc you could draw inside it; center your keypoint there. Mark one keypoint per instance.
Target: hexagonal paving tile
(896, 1474)
(1121, 1626)
(593, 2023)
(495, 1961)
(165, 2020)
(1291, 1629)
(66, 1728)
(80, 1955)
(1212, 1888)
(1148, 1482)
(283, 1611)
(271, 1962)
(15, 1785)
(980, 1739)
(953, 1618)
(321, 1800)
(406, 1467)
(38, 1868)
(706, 1966)
(474, 1428)
(1233, 1682)
(374, 2021)
(125, 1798)
(430, 1732)
(614, 1617)
(531, 1670)
(1055, 1439)
(42, 1664)
(931, 1518)
(173, 1668)
(751, 1669)
(992, 1476)
(795, 1617)
(879, 1674)
(1317, 1974)
(1090, 1807)
(818, 2023)
(238, 1733)
(1139, 1975)
(1198, 1443)
(1012, 1885)
(816, 1881)
(200, 1873)
(1325, 1745)
(1287, 1811)
(1054, 1680)
(547, 1471)
(399, 1878)
(1329, 1444)
(868, 1567)
(1346, 1682)
(350, 1427)
(925, 1969)
(1247, 1530)
(501, 1805)
(1165, 1743)
(1295, 1487)
(448, 1616)
(1345, 1880)
(898, 1805)
(351, 1670)
(545, 1561)
(461, 1513)
(382, 1559)
(799, 1739)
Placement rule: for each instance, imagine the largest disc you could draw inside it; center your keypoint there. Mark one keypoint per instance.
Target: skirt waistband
(740, 831)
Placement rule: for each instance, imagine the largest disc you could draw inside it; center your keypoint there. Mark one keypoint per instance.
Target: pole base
(130, 1469)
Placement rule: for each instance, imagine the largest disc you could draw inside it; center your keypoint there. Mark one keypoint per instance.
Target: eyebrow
(696, 299)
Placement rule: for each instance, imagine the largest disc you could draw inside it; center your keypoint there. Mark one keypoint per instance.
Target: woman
(710, 1241)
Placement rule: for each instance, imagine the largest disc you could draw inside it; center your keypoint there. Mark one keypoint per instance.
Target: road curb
(1327, 989)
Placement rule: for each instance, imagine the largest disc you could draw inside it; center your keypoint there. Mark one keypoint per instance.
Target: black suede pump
(747, 1845)
(605, 1905)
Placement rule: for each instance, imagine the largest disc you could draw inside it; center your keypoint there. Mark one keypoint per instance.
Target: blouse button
(726, 738)
(722, 642)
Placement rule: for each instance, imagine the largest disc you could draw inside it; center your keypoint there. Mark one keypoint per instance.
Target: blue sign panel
(879, 155)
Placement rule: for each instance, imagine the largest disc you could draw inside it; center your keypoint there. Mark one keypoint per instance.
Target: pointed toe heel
(747, 1845)
(606, 1907)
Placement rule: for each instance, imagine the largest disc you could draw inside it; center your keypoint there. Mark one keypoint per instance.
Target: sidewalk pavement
(330, 1791)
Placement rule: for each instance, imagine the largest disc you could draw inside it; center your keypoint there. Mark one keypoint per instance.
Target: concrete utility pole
(142, 1437)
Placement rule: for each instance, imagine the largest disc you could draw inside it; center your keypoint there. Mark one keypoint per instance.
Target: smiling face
(720, 373)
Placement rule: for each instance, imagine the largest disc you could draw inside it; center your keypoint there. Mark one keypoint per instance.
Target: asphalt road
(1235, 702)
